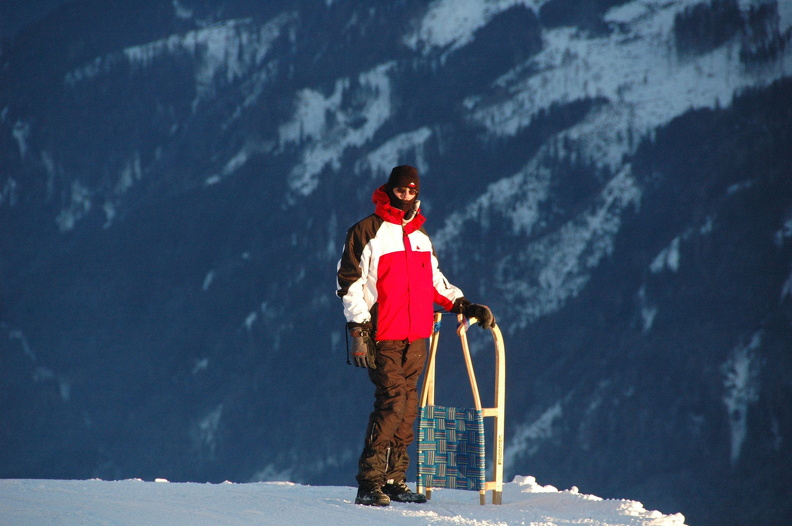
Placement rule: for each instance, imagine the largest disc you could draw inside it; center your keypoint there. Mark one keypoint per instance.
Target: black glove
(473, 310)
(482, 313)
(364, 351)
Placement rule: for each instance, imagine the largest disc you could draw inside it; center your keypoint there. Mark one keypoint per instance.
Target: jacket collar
(393, 215)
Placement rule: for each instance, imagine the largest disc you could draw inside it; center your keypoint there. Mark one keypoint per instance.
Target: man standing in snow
(389, 281)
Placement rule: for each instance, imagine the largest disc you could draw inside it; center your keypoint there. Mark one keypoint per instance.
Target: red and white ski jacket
(389, 271)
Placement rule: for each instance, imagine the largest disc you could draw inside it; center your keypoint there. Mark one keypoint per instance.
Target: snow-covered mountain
(611, 177)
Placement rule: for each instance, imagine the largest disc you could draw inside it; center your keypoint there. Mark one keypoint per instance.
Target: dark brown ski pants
(390, 427)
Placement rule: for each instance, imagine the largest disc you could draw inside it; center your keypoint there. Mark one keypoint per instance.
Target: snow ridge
(131, 502)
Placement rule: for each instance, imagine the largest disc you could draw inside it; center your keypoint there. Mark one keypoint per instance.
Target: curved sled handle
(464, 324)
(469, 322)
(428, 391)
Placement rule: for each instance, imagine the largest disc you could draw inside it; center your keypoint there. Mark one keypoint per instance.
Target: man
(389, 281)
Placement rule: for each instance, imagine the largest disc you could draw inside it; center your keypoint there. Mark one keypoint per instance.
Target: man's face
(404, 193)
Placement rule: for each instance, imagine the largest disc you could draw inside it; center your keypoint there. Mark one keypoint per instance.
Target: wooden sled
(451, 444)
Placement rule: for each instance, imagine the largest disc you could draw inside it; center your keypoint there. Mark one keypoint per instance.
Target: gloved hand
(482, 313)
(363, 348)
(473, 310)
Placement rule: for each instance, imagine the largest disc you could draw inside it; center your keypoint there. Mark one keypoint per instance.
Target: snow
(227, 52)
(451, 24)
(528, 436)
(133, 502)
(648, 311)
(742, 376)
(560, 261)
(643, 84)
(182, 12)
(8, 193)
(784, 12)
(668, 258)
(635, 72)
(21, 134)
(79, 206)
(635, 69)
(327, 127)
(394, 151)
(786, 289)
(208, 280)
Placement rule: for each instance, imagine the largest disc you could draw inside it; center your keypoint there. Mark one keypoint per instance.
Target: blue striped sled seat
(451, 452)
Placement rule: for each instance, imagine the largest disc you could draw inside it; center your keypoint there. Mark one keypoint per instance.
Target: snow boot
(371, 495)
(399, 492)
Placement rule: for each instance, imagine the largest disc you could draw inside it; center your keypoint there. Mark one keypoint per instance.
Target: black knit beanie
(404, 176)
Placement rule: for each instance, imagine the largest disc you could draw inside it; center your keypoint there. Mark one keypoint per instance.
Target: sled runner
(451, 443)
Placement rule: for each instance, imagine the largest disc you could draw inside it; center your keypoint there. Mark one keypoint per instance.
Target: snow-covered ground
(134, 502)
